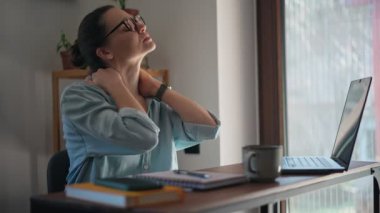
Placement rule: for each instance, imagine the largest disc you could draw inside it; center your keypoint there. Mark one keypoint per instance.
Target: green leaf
(63, 42)
(59, 46)
(122, 4)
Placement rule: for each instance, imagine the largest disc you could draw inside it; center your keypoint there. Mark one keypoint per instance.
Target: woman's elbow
(136, 141)
(148, 141)
(142, 142)
(213, 135)
(208, 133)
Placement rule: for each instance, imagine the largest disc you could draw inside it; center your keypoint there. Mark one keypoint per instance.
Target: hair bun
(77, 57)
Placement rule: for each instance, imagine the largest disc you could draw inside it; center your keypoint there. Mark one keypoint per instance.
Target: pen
(194, 174)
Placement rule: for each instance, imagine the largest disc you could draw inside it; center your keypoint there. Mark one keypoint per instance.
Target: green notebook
(128, 184)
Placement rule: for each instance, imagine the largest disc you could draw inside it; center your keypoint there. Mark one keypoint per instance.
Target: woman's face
(122, 43)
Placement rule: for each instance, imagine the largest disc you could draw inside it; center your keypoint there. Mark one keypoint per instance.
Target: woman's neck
(130, 73)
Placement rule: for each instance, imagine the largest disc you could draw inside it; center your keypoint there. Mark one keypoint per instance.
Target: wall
(185, 32)
(209, 61)
(28, 36)
(212, 43)
(237, 72)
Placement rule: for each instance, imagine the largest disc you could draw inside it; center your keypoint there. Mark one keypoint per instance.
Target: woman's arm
(188, 110)
(125, 130)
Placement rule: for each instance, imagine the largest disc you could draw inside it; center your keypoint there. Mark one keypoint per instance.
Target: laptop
(344, 141)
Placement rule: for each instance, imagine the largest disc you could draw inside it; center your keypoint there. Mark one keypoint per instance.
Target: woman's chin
(149, 47)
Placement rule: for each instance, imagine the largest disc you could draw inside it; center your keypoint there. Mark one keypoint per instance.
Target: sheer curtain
(328, 43)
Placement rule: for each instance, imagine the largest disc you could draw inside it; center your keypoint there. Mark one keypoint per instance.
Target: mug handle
(253, 155)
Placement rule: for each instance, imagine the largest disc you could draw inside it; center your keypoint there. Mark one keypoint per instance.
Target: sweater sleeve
(90, 112)
(187, 134)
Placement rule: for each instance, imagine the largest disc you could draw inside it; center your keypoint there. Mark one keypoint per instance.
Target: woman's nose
(141, 28)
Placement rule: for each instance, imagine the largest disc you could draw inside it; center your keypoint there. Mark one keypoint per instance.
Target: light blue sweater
(103, 141)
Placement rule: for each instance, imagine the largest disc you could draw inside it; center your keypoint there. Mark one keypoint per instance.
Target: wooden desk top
(242, 196)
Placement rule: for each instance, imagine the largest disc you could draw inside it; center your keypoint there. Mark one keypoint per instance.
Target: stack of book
(124, 192)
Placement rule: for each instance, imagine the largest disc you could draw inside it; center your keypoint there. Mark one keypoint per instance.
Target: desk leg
(275, 207)
(272, 207)
(264, 209)
(376, 189)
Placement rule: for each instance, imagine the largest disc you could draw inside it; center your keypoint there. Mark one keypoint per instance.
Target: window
(328, 44)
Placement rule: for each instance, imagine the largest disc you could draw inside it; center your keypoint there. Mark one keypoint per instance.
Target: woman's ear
(104, 54)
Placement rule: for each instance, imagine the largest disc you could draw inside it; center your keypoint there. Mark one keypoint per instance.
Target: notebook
(344, 141)
(127, 184)
(212, 180)
(121, 198)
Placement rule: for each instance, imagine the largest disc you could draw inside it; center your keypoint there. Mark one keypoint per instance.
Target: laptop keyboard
(307, 161)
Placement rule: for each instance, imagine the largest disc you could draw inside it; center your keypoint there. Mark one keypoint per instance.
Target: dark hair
(91, 34)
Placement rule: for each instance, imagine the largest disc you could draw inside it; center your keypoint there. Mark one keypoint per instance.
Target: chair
(57, 170)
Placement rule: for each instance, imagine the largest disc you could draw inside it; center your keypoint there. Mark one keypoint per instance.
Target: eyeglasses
(129, 23)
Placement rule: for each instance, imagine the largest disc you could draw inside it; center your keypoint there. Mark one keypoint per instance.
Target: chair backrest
(57, 170)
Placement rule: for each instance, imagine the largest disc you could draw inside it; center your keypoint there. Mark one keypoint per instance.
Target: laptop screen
(350, 120)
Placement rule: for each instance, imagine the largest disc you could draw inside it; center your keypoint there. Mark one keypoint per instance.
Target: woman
(120, 121)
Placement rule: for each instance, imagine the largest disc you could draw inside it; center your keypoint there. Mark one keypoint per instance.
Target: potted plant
(122, 3)
(63, 47)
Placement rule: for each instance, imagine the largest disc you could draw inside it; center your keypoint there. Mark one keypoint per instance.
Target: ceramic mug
(262, 162)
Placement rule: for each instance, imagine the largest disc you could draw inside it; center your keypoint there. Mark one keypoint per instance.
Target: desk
(238, 197)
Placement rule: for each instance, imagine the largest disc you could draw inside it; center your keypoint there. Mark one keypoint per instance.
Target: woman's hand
(148, 86)
(111, 81)
(107, 79)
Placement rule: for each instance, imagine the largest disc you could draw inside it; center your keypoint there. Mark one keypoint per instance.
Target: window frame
(270, 35)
